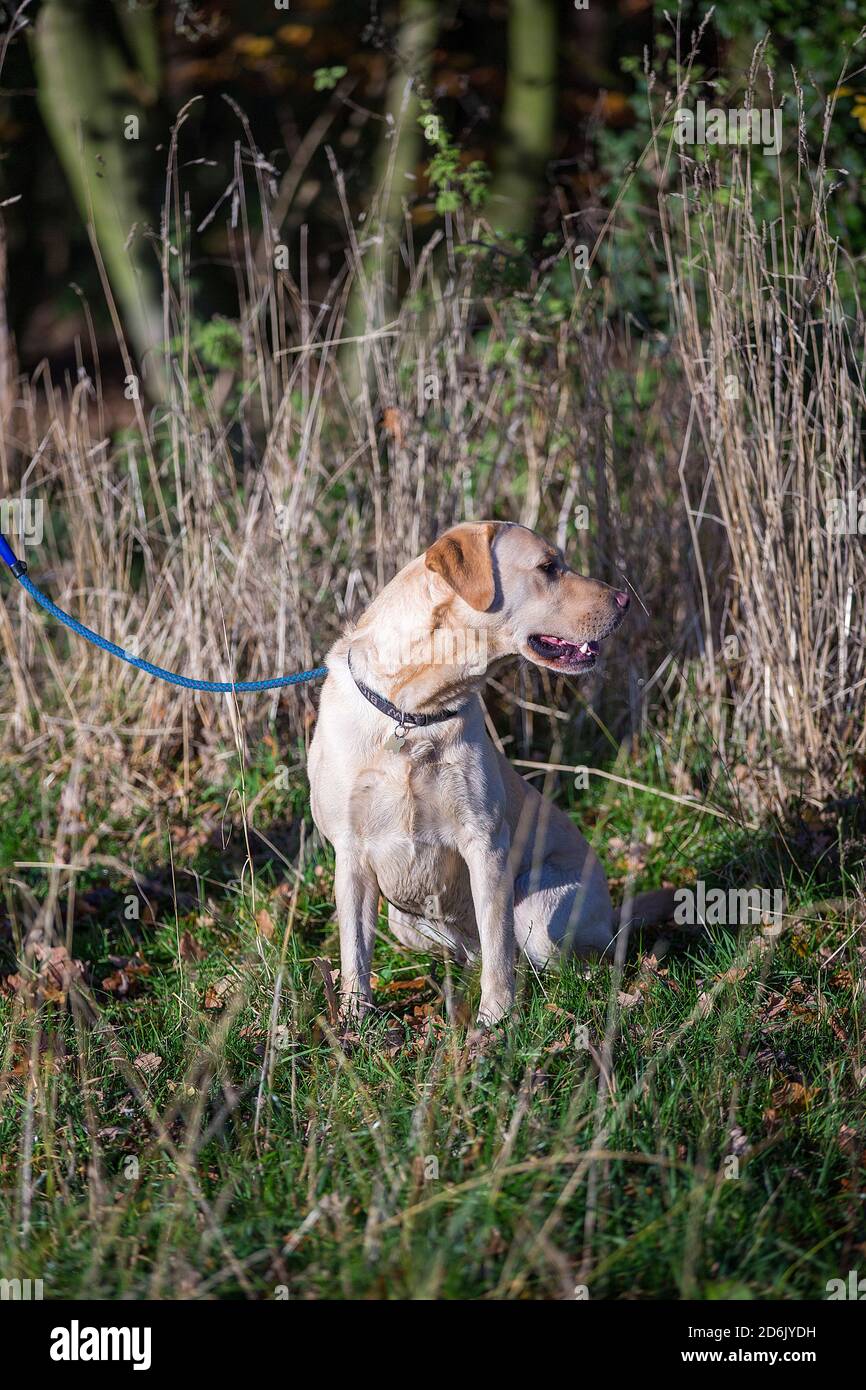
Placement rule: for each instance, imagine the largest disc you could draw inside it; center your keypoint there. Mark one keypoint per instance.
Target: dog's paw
(479, 1041)
(347, 1039)
(486, 1037)
(354, 1008)
(494, 1011)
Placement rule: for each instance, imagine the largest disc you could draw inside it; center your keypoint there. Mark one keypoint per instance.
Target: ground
(688, 1127)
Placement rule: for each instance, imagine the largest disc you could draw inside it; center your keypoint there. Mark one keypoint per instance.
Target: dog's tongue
(583, 648)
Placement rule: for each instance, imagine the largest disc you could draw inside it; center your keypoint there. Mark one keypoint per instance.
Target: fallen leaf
(395, 986)
(848, 1139)
(253, 45)
(393, 423)
(190, 949)
(148, 1063)
(265, 924)
(127, 978)
(190, 840)
(23, 1061)
(837, 1029)
(628, 1001)
(791, 1098)
(731, 976)
(324, 968)
(216, 995)
(57, 972)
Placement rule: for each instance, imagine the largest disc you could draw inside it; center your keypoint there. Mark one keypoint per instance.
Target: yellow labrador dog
(420, 807)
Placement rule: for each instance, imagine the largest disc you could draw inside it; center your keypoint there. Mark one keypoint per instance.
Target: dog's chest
(404, 810)
(405, 791)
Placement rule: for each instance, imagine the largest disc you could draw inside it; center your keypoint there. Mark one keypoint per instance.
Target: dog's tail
(645, 910)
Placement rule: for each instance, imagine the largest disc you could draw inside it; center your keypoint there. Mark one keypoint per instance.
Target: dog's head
(519, 589)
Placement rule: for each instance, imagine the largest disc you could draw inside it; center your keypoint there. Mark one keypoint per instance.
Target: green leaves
(451, 181)
(326, 79)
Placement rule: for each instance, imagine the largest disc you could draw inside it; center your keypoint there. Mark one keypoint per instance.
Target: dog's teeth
(584, 649)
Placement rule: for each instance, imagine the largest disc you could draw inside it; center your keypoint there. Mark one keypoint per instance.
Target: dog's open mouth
(565, 656)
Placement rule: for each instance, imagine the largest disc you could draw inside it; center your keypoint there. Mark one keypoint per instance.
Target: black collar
(402, 720)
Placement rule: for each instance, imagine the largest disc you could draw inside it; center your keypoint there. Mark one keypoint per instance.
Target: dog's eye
(549, 566)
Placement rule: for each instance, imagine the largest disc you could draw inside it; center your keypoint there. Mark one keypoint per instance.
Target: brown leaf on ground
(190, 840)
(396, 986)
(392, 421)
(23, 1061)
(217, 995)
(295, 35)
(55, 973)
(555, 1009)
(731, 976)
(127, 979)
(325, 970)
(265, 924)
(631, 855)
(629, 1001)
(842, 979)
(651, 970)
(148, 1063)
(190, 949)
(791, 1098)
(850, 1142)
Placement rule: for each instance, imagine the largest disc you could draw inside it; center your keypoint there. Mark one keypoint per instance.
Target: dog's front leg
(492, 886)
(357, 897)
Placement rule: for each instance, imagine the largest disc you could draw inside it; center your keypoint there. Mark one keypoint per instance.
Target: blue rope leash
(19, 570)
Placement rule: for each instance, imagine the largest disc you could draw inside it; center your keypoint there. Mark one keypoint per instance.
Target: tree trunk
(372, 299)
(528, 115)
(85, 97)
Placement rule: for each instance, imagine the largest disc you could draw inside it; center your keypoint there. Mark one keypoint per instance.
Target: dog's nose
(622, 599)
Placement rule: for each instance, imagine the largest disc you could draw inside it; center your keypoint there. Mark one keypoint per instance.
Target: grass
(689, 1127)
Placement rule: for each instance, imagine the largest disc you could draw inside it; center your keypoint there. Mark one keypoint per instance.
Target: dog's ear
(463, 558)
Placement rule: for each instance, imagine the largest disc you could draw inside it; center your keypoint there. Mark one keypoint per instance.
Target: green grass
(689, 1130)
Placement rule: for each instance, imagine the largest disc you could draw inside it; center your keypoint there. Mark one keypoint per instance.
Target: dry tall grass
(235, 526)
(772, 349)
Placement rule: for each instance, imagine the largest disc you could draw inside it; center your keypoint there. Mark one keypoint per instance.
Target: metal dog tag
(397, 741)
